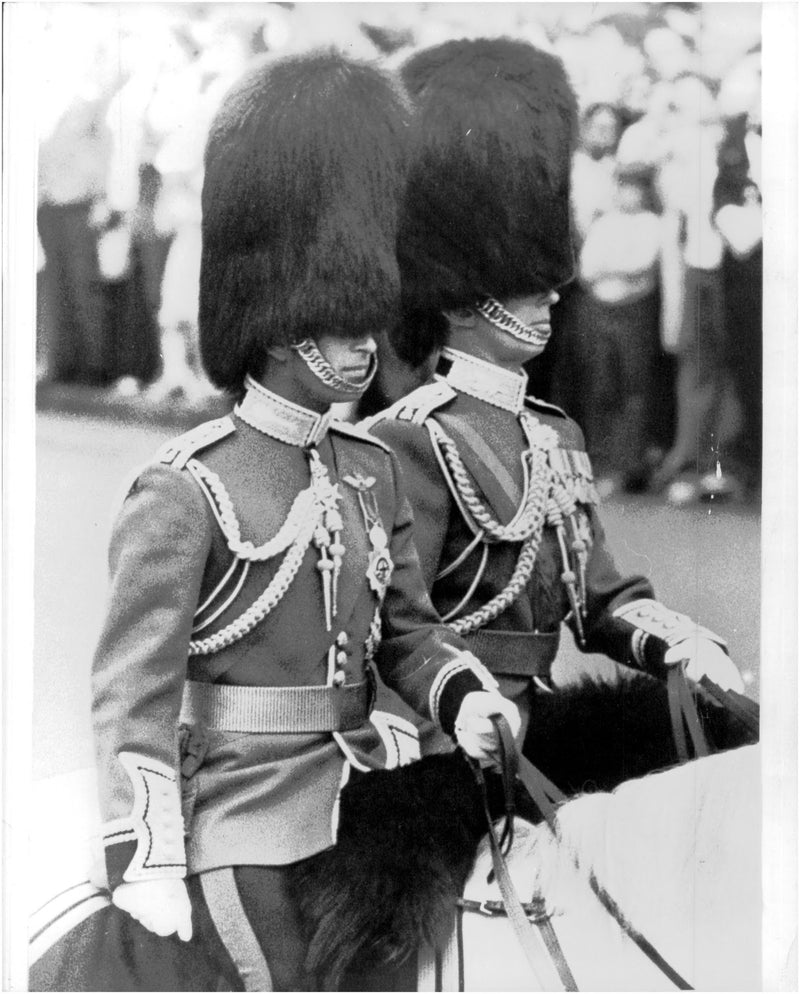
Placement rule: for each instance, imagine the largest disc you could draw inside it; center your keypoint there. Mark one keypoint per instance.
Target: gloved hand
(706, 658)
(161, 905)
(475, 733)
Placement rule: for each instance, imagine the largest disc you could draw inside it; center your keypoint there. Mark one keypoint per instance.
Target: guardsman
(265, 560)
(500, 484)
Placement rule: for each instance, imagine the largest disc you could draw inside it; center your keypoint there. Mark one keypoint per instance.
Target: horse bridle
(546, 796)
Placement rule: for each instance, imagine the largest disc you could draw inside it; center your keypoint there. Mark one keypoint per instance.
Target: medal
(379, 565)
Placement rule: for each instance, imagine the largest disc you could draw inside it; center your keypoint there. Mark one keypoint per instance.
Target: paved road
(703, 562)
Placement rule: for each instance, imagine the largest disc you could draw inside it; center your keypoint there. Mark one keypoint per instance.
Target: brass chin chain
(325, 373)
(496, 314)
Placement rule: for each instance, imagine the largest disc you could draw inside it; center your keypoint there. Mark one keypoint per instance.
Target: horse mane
(674, 824)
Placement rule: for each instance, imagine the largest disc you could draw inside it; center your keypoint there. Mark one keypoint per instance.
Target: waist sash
(515, 653)
(229, 708)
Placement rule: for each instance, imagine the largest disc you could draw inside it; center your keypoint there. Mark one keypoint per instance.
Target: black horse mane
(408, 837)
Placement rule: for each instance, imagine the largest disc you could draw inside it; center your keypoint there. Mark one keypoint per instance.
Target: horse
(674, 857)
(384, 897)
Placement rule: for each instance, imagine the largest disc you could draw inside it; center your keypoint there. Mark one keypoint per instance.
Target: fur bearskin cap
(303, 171)
(486, 210)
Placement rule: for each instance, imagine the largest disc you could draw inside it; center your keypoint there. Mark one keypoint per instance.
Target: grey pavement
(704, 562)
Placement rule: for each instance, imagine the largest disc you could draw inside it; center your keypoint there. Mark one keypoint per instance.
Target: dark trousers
(71, 321)
(622, 351)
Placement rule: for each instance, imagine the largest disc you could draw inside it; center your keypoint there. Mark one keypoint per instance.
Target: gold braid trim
(269, 599)
(532, 517)
(507, 596)
(324, 498)
(526, 528)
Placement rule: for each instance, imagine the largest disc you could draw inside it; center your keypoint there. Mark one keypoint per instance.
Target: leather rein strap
(546, 796)
(683, 712)
(540, 965)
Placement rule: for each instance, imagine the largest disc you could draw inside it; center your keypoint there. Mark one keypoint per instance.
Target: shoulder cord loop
(527, 528)
(531, 515)
(222, 505)
(546, 500)
(317, 506)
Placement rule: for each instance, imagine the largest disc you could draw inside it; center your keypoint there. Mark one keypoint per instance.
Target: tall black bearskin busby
(486, 208)
(303, 171)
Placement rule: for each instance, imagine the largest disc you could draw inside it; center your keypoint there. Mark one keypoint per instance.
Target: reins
(518, 913)
(545, 795)
(683, 716)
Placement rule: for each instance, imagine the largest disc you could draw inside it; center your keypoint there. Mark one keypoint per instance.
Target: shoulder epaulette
(359, 431)
(545, 408)
(178, 451)
(417, 406)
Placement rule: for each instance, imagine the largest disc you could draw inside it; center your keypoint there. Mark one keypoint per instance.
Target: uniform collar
(280, 418)
(485, 381)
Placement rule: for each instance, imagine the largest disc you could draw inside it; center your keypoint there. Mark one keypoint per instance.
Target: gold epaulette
(417, 406)
(178, 451)
(359, 431)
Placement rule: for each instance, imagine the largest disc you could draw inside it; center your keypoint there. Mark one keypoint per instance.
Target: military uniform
(257, 569)
(506, 523)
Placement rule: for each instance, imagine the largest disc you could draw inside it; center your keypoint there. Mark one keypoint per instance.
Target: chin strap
(326, 374)
(496, 314)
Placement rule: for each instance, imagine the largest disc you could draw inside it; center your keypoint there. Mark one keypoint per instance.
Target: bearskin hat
(486, 208)
(303, 172)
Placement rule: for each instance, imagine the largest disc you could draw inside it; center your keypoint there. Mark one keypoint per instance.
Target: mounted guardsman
(265, 560)
(500, 484)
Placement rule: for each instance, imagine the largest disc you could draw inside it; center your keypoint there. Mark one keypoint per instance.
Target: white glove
(161, 905)
(706, 658)
(475, 733)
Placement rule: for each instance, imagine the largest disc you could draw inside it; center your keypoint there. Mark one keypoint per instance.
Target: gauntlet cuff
(147, 843)
(654, 629)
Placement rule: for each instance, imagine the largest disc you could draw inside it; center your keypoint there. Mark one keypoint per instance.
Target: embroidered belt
(515, 653)
(276, 709)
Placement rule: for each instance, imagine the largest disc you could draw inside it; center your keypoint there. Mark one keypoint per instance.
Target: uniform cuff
(148, 843)
(652, 629)
(454, 681)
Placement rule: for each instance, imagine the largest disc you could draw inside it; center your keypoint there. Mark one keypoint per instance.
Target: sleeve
(159, 547)
(624, 621)
(419, 657)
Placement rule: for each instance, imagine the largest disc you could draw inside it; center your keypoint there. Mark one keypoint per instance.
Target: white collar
(485, 381)
(280, 418)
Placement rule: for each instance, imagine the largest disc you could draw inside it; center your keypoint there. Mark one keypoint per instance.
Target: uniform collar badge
(280, 418)
(483, 380)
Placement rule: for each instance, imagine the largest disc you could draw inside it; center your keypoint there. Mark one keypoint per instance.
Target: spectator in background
(619, 271)
(593, 183)
(132, 251)
(187, 95)
(737, 217)
(693, 309)
(563, 373)
(132, 255)
(73, 164)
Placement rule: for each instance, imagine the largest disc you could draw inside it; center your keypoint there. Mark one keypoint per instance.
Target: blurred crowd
(656, 349)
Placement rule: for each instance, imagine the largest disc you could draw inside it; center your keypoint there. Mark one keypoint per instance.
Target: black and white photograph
(400, 496)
